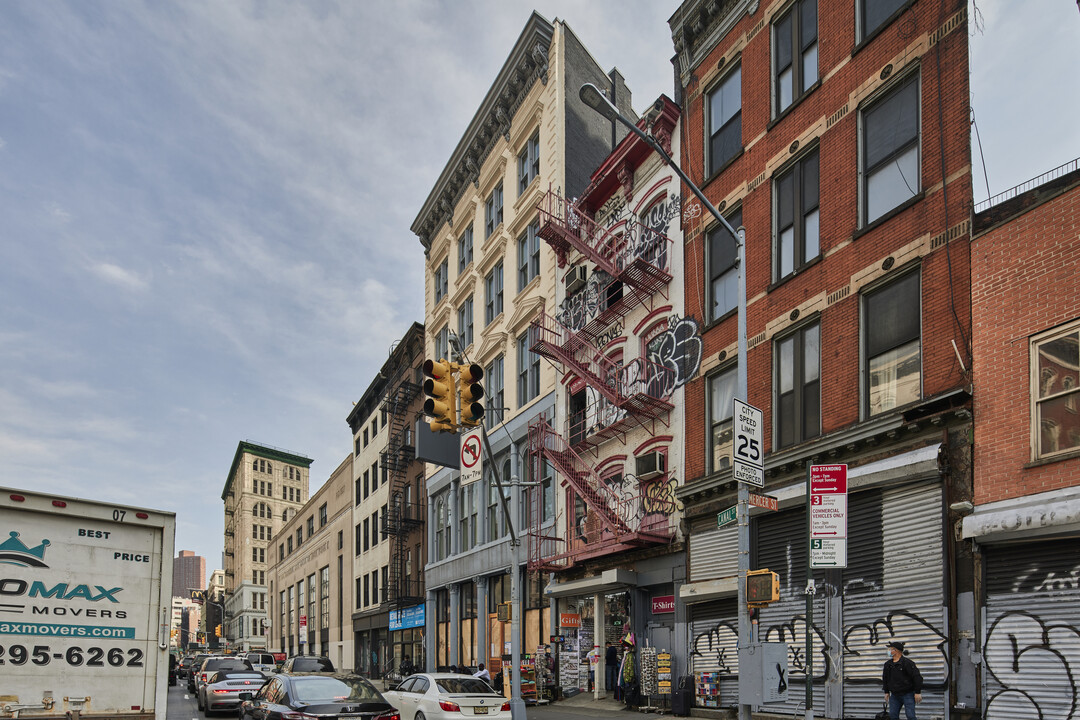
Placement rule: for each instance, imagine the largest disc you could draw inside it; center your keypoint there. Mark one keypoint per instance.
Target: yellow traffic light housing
(472, 411)
(762, 588)
(217, 630)
(441, 403)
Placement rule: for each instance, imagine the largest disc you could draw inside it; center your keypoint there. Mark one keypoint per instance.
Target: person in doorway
(611, 669)
(482, 673)
(592, 657)
(901, 681)
(407, 668)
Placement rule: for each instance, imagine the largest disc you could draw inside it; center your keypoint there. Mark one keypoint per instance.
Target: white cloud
(118, 276)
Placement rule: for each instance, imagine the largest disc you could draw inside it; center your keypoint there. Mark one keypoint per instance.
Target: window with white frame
(874, 13)
(468, 516)
(528, 371)
(797, 362)
(493, 374)
(493, 294)
(1055, 364)
(442, 529)
(795, 53)
(890, 150)
(725, 121)
(723, 254)
(441, 279)
(891, 331)
(465, 249)
(324, 597)
(529, 163)
(493, 211)
(722, 387)
(442, 346)
(465, 322)
(795, 199)
(529, 254)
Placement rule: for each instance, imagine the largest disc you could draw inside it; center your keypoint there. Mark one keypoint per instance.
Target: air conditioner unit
(650, 465)
(576, 278)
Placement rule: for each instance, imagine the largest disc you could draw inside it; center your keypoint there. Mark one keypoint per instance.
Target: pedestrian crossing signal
(762, 588)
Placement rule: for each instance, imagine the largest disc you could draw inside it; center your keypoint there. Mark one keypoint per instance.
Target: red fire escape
(635, 260)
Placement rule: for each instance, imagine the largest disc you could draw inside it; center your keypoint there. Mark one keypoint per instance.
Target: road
(182, 704)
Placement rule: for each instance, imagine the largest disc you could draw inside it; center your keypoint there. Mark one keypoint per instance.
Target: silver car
(222, 691)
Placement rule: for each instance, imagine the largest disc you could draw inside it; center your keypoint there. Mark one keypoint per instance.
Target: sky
(205, 210)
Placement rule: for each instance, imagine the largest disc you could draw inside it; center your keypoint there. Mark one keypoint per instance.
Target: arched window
(285, 515)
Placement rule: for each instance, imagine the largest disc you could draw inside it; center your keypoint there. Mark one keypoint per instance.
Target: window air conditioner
(650, 465)
(575, 279)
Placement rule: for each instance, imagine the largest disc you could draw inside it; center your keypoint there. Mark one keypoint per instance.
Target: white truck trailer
(85, 608)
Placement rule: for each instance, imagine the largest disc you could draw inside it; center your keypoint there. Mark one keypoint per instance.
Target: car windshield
(311, 664)
(464, 685)
(332, 689)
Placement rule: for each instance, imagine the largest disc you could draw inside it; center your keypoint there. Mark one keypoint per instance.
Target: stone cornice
(526, 64)
(698, 27)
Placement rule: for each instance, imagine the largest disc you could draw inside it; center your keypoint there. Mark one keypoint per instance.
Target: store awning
(607, 581)
(1055, 512)
(709, 590)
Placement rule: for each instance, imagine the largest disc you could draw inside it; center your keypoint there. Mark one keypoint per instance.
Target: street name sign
(472, 464)
(727, 517)
(828, 516)
(764, 501)
(747, 454)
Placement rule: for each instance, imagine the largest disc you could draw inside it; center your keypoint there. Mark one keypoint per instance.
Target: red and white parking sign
(828, 516)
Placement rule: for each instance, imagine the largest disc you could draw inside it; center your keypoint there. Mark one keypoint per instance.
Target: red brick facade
(1023, 283)
(928, 39)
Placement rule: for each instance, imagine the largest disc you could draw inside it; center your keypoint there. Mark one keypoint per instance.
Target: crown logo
(14, 551)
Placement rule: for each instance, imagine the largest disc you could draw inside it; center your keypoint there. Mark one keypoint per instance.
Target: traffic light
(762, 587)
(472, 411)
(217, 631)
(441, 403)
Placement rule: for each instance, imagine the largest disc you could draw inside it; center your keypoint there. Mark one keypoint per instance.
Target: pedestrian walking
(611, 669)
(901, 682)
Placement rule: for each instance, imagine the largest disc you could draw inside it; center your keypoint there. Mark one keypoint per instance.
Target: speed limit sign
(747, 452)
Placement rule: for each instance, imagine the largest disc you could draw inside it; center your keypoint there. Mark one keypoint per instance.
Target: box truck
(85, 608)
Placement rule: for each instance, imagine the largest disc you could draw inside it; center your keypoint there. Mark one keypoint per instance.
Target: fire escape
(634, 261)
(403, 516)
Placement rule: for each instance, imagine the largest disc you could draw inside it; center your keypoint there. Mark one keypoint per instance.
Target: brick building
(836, 133)
(189, 573)
(1026, 517)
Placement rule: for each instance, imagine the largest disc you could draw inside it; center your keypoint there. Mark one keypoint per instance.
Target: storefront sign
(405, 618)
(569, 620)
(663, 604)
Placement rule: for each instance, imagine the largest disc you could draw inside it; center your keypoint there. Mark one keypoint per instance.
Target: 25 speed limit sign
(747, 452)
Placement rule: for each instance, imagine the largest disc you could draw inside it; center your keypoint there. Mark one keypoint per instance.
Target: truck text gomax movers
(84, 614)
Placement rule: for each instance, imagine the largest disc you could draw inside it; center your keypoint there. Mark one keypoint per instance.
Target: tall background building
(189, 573)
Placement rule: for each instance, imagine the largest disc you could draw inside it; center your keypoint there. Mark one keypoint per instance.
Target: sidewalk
(580, 707)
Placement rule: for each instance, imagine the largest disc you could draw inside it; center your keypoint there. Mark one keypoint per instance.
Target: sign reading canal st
(828, 516)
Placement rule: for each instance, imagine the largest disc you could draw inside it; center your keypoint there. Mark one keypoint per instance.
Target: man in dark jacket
(902, 682)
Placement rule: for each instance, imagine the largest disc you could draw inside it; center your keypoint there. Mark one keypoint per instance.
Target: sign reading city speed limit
(747, 451)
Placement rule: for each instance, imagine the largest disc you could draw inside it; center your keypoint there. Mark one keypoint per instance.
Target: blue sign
(409, 617)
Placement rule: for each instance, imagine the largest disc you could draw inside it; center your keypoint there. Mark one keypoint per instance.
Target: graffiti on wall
(678, 349)
(578, 309)
(1037, 666)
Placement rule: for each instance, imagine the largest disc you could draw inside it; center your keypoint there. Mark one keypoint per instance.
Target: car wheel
(420, 716)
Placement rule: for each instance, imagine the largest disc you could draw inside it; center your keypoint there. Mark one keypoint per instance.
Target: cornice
(526, 64)
(698, 26)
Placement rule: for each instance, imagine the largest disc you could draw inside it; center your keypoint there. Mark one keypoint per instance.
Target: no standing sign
(828, 516)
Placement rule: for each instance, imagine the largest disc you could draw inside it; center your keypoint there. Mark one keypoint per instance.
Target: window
(721, 393)
(442, 343)
(529, 163)
(299, 536)
(529, 254)
(528, 371)
(493, 510)
(311, 603)
(359, 592)
(324, 598)
(796, 212)
(794, 53)
(375, 528)
(468, 516)
(493, 373)
(366, 535)
(873, 13)
(288, 545)
(442, 279)
(465, 322)
(367, 590)
(798, 386)
(493, 211)
(464, 250)
(358, 539)
(725, 121)
(375, 587)
(891, 326)
(311, 525)
(723, 269)
(322, 515)
(442, 534)
(1055, 359)
(493, 293)
(365, 437)
(890, 150)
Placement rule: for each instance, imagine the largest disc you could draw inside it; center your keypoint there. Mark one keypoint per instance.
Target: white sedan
(446, 696)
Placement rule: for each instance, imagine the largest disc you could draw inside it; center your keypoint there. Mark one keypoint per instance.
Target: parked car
(262, 662)
(447, 696)
(316, 695)
(308, 663)
(213, 665)
(194, 669)
(185, 666)
(222, 689)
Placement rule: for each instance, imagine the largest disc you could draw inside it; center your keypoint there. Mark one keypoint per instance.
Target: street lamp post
(591, 96)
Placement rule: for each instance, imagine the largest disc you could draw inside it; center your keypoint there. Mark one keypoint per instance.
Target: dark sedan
(285, 697)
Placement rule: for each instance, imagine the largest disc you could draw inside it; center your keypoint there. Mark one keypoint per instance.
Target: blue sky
(205, 210)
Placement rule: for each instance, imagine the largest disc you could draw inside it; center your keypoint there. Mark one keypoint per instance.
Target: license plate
(480, 710)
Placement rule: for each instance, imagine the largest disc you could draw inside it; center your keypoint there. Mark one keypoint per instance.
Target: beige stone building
(310, 577)
(265, 488)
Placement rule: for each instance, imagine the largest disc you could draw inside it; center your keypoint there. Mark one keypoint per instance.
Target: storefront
(407, 638)
(371, 636)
